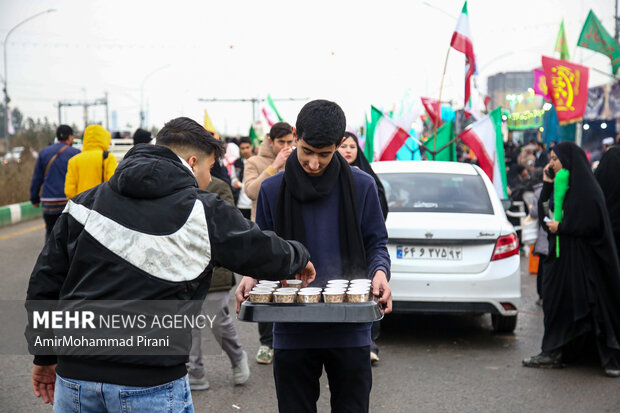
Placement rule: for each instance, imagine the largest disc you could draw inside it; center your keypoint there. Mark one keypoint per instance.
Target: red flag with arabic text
(567, 84)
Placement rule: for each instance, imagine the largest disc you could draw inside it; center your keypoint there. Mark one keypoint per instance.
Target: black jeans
(297, 373)
(50, 220)
(265, 331)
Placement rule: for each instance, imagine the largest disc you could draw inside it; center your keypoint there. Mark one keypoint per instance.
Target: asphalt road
(428, 363)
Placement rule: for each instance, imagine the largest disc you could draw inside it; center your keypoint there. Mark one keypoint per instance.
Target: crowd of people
(63, 171)
(115, 241)
(310, 185)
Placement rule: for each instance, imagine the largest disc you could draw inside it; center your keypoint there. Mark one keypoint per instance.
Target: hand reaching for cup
(307, 274)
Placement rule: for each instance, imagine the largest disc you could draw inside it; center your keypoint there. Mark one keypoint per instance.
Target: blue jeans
(89, 397)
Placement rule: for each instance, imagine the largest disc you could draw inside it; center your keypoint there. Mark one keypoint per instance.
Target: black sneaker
(546, 359)
(612, 372)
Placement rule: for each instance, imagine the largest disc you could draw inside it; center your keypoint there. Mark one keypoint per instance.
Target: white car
(16, 154)
(118, 147)
(451, 246)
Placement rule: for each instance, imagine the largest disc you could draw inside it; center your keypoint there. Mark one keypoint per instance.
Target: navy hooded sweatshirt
(322, 240)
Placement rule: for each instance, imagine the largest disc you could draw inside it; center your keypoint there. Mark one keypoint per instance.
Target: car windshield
(436, 192)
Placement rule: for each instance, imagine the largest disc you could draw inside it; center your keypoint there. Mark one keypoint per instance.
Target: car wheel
(503, 323)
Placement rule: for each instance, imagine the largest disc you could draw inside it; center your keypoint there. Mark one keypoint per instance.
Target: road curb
(14, 213)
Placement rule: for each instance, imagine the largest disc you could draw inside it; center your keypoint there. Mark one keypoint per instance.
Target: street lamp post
(142, 115)
(6, 92)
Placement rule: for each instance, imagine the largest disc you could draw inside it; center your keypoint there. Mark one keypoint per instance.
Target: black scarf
(299, 188)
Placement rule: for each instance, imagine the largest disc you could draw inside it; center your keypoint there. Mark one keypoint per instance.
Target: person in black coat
(607, 174)
(542, 157)
(581, 288)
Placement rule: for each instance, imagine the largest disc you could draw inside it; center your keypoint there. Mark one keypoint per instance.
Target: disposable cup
(287, 289)
(267, 282)
(333, 296)
(293, 283)
(356, 296)
(260, 296)
(335, 290)
(284, 297)
(263, 289)
(338, 281)
(311, 289)
(308, 297)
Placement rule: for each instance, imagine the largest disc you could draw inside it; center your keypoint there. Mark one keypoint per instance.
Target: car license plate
(410, 252)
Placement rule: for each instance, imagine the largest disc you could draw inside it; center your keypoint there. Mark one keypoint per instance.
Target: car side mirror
(506, 204)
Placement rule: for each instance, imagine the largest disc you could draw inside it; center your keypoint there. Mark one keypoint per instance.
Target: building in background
(524, 109)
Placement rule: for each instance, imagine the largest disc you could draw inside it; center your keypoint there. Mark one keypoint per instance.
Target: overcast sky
(356, 53)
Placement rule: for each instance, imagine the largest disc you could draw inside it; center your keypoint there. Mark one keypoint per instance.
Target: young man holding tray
(334, 211)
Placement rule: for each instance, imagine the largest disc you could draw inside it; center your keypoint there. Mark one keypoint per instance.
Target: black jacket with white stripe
(148, 234)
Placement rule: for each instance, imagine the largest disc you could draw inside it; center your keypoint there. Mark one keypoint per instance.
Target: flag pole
(443, 75)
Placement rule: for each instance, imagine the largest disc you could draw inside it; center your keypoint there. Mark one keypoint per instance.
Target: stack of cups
(263, 292)
(335, 292)
(359, 290)
(268, 283)
(287, 294)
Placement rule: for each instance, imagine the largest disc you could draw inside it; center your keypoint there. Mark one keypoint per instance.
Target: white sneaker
(264, 355)
(198, 384)
(241, 372)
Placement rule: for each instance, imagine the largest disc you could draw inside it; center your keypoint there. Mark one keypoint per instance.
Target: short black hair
(183, 133)
(63, 132)
(321, 123)
(280, 130)
(245, 139)
(141, 136)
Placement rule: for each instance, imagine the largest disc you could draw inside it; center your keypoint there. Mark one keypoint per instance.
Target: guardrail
(14, 213)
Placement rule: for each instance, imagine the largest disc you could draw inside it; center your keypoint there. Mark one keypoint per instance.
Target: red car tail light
(505, 247)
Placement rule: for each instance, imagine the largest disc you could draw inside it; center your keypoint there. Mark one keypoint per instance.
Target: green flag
(561, 45)
(445, 134)
(253, 137)
(369, 146)
(594, 37)
(273, 107)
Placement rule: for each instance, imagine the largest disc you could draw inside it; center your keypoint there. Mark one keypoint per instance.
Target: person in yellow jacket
(94, 165)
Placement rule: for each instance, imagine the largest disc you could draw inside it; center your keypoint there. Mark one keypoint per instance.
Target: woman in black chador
(608, 176)
(582, 288)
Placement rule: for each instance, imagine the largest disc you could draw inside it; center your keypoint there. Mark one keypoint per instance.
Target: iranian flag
(270, 112)
(462, 41)
(433, 109)
(384, 138)
(484, 137)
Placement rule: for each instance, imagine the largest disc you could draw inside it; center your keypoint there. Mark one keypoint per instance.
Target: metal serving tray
(310, 313)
